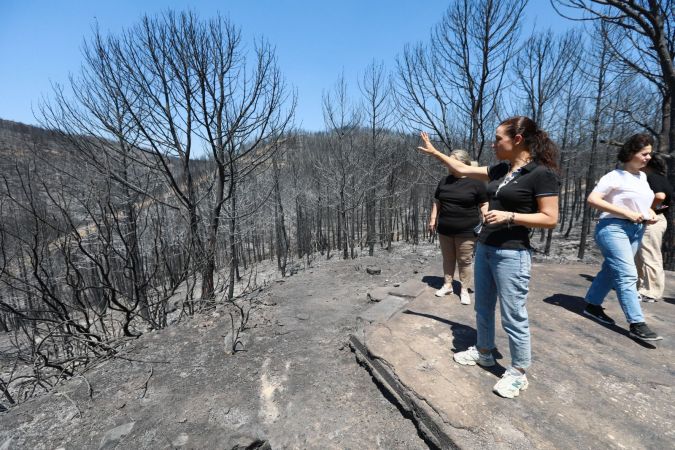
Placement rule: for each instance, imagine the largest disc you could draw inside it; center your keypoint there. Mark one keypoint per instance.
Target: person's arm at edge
(659, 197)
(433, 216)
(484, 209)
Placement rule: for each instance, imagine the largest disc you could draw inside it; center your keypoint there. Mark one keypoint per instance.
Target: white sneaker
(647, 299)
(512, 382)
(464, 297)
(472, 356)
(445, 290)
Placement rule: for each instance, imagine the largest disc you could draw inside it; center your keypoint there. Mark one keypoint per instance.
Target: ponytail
(544, 150)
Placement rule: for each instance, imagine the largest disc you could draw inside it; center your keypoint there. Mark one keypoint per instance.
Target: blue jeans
(618, 240)
(503, 273)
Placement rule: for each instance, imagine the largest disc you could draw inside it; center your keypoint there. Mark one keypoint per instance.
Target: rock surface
(113, 437)
(591, 385)
(378, 294)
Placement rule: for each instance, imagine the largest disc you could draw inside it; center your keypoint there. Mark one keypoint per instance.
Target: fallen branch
(145, 385)
(91, 391)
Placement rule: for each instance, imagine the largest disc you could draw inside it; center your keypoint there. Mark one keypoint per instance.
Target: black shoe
(641, 331)
(597, 312)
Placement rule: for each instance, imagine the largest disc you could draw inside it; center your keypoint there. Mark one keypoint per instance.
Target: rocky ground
(591, 385)
(295, 384)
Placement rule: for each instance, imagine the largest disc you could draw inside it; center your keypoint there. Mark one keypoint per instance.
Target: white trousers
(649, 260)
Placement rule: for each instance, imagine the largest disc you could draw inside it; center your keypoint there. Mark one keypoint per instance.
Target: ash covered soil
(296, 384)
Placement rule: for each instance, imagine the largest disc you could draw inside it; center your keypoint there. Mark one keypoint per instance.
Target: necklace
(523, 161)
(507, 179)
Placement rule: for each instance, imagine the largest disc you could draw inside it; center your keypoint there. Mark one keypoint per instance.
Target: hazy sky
(316, 40)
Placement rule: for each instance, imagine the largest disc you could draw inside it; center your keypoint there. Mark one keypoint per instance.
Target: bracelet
(512, 219)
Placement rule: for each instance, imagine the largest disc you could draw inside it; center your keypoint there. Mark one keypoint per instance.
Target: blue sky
(315, 40)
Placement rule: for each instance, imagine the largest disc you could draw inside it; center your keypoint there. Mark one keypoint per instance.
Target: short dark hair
(634, 144)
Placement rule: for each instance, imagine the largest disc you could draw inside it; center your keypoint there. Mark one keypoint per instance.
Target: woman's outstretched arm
(458, 168)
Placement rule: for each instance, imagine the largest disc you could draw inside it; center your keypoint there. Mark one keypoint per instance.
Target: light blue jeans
(618, 240)
(504, 274)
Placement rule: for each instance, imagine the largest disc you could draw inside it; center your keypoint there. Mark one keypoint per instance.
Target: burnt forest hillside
(103, 242)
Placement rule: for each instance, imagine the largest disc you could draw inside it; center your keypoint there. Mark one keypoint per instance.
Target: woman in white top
(625, 199)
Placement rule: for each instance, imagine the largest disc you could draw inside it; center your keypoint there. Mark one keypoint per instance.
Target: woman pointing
(522, 194)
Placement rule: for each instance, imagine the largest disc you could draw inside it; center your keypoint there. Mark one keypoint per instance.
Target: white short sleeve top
(627, 190)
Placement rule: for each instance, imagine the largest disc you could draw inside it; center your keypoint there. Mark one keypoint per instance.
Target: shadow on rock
(669, 300)
(576, 305)
(587, 277)
(569, 302)
(433, 281)
(463, 337)
(457, 287)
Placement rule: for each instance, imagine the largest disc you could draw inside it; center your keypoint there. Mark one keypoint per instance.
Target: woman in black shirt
(523, 194)
(455, 215)
(649, 260)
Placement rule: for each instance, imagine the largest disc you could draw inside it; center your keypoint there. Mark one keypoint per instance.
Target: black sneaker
(597, 312)
(647, 299)
(641, 331)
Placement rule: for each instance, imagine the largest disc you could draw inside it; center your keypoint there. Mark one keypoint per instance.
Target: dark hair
(633, 144)
(658, 163)
(543, 149)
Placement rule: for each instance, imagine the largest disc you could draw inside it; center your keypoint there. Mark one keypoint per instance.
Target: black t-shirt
(519, 196)
(459, 200)
(659, 183)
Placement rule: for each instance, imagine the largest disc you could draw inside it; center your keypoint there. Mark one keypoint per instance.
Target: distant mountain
(18, 139)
